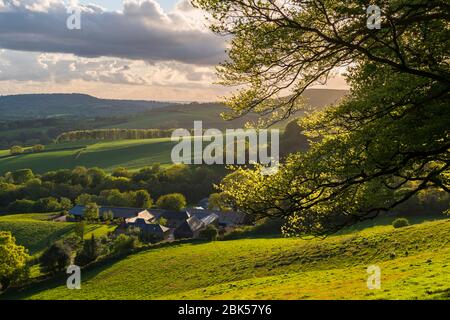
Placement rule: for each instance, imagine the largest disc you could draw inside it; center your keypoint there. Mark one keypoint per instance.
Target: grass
(133, 154)
(36, 231)
(33, 232)
(414, 261)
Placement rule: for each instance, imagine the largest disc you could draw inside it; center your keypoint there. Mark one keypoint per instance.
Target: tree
(15, 150)
(13, 261)
(65, 204)
(21, 206)
(108, 215)
(90, 252)
(124, 244)
(210, 233)
(56, 258)
(38, 148)
(84, 199)
(49, 204)
(217, 201)
(80, 229)
(143, 199)
(162, 221)
(91, 212)
(22, 176)
(386, 141)
(174, 202)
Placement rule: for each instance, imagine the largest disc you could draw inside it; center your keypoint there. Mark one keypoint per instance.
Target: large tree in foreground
(388, 140)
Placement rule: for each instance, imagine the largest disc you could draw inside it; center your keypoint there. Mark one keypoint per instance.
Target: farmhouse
(191, 227)
(174, 218)
(151, 230)
(185, 224)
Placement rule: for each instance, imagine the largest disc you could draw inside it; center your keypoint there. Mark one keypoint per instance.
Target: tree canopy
(386, 141)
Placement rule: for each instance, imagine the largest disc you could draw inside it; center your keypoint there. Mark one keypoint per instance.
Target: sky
(132, 49)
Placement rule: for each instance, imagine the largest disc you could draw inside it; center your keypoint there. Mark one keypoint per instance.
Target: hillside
(414, 263)
(37, 231)
(183, 116)
(34, 106)
(133, 154)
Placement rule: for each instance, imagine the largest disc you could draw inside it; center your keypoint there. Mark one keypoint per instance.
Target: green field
(33, 232)
(36, 232)
(414, 263)
(132, 154)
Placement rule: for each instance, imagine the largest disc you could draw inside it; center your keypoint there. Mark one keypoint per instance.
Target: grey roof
(210, 219)
(194, 224)
(225, 217)
(170, 215)
(117, 212)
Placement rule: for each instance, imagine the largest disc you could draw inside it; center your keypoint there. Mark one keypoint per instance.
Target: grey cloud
(142, 31)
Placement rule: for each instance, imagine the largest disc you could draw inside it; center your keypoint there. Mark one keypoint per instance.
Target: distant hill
(34, 106)
(183, 116)
(39, 106)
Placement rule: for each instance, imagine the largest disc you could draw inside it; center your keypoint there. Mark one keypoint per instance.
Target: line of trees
(113, 134)
(22, 191)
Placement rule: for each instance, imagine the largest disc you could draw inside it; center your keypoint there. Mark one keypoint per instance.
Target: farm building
(154, 231)
(191, 227)
(225, 218)
(174, 218)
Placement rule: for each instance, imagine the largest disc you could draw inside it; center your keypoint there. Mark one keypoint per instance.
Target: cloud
(66, 68)
(141, 31)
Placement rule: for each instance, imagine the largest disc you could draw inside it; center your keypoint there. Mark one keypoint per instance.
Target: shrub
(22, 176)
(90, 252)
(56, 258)
(209, 234)
(400, 223)
(49, 204)
(38, 148)
(13, 261)
(80, 229)
(21, 206)
(91, 212)
(124, 244)
(15, 150)
(174, 202)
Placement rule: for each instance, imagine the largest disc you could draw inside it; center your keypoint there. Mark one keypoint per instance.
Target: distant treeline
(114, 134)
(45, 131)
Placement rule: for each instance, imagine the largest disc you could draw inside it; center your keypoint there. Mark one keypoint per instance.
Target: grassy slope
(278, 268)
(133, 154)
(35, 232)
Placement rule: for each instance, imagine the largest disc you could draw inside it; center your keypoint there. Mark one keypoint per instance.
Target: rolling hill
(413, 260)
(37, 231)
(183, 116)
(132, 154)
(35, 106)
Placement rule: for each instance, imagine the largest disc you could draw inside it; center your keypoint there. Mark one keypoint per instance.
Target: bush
(56, 258)
(13, 261)
(90, 252)
(124, 244)
(173, 202)
(49, 204)
(15, 150)
(91, 212)
(209, 234)
(38, 148)
(400, 223)
(21, 206)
